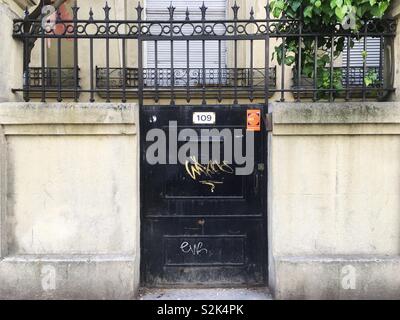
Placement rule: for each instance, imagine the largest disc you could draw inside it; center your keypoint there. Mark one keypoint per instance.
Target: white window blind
(157, 10)
(373, 48)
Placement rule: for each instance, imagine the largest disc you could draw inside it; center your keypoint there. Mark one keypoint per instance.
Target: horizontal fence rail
(188, 82)
(179, 66)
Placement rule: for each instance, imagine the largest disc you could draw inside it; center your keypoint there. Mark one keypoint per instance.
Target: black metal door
(202, 223)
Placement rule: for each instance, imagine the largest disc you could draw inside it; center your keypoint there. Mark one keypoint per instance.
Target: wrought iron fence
(188, 82)
(132, 80)
(54, 80)
(347, 79)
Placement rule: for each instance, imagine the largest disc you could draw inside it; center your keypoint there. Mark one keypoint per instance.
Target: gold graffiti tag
(197, 170)
(211, 184)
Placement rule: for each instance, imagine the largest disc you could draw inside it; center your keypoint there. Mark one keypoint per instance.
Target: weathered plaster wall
(393, 50)
(11, 62)
(70, 201)
(335, 192)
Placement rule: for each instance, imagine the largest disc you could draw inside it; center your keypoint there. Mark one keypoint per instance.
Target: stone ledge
(16, 113)
(336, 129)
(111, 129)
(99, 278)
(336, 113)
(338, 258)
(321, 277)
(68, 258)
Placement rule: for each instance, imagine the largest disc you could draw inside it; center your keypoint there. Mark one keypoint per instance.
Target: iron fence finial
(171, 10)
(139, 10)
(235, 9)
(203, 10)
(75, 9)
(252, 13)
(26, 12)
(107, 11)
(187, 14)
(267, 10)
(58, 16)
(91, 14)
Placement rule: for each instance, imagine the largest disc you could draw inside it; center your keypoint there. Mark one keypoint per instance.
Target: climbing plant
(323, 16)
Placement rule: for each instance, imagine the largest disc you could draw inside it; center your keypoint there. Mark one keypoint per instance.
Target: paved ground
(205, 294)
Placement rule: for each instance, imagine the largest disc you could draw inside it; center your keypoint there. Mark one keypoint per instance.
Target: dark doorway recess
(203, 225)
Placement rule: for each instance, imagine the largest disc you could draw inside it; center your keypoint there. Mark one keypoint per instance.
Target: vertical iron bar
(172, 59)
(299, 61)
(348, 69)
(140, 74)
(251, 96)
(235, 9)
(43, 62)
(124, 71)
(139, 10)
(283, 69)
(236, 69)
(172, 73)
(315, 91)
(59, 96)
(140, 65)
(331, 71)
(171, 10)
(107, 63)
(26, 59)
(157, 97)
(266, 58)
(364, 89)
(76, 70)
(381, 61)
(219, 70)
(188, 98)
(91, 70)
(203, 10)
(203, 94)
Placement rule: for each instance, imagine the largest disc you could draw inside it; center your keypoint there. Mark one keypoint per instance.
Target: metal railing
(54, 80)
(188, 82)
(348, 80)
(244, 79)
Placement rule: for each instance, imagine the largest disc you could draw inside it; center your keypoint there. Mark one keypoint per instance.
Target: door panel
(203, 224)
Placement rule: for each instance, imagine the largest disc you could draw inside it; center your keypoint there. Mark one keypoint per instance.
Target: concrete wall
(11, 59)
(69, 201)
(393, 49)
(335, 201)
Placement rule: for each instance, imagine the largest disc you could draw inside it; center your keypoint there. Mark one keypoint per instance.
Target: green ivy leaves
(320, 16)
(328, 12)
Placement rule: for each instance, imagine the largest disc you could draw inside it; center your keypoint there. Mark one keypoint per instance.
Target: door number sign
(204, 118)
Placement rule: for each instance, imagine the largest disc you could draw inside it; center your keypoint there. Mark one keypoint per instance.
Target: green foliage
(371, 78)
(322, 16)
(325, 13)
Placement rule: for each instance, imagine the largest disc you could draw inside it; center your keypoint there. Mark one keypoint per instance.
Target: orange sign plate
(254, 120)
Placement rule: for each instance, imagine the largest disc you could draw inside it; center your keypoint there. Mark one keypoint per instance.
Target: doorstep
(259, 293)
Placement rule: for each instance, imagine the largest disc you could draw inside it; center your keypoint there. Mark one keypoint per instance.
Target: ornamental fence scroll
(227, 79)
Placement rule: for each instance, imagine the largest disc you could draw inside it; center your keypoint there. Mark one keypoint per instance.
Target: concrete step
(205, 294)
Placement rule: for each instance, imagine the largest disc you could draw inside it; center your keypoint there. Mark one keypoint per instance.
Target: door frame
(264, 196)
